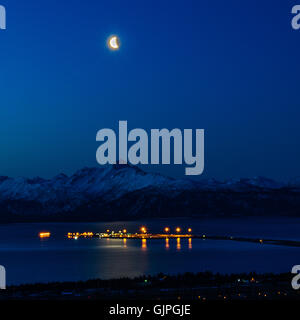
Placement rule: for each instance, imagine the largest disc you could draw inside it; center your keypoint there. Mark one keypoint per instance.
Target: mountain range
(126, 192)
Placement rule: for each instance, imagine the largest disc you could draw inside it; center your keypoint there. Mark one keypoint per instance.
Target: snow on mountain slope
(112, 181)
(127, 190)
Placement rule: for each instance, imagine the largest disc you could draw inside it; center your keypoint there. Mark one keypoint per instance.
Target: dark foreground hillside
(201, 287)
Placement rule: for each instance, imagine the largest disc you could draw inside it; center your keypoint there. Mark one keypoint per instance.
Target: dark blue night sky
(229, 67)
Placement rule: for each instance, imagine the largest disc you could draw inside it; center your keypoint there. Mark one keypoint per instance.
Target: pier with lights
(177, 233)
(143, 234)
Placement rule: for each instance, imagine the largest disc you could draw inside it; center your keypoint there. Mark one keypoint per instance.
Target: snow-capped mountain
(126, 192)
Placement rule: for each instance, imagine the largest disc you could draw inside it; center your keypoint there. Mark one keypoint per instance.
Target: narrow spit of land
(146, 236)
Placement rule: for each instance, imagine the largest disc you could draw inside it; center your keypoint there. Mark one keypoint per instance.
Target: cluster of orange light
(44, 234)
(124, 231)
(77, 234)
(144, 230)
(167, 229)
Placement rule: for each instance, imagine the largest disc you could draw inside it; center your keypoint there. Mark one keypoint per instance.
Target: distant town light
(124, 231)
(178, 229)
(189, 230)
(44, 234)
(143, 229)
(167, 229)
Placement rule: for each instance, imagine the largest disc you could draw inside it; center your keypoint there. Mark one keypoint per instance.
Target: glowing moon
(113, 43)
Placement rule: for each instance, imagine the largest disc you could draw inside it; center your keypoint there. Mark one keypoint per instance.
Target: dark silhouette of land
(203, 287)
(128, 193)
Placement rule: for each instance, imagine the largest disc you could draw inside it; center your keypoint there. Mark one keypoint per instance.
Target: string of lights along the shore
(166, 234)
(142, 234)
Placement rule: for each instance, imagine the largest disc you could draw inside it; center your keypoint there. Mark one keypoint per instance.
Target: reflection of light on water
(190, 243)
(125, 243)
(144, 244)
(167, 243)
(178, 244)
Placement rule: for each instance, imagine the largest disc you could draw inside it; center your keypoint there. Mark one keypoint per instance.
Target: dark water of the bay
(28, 259)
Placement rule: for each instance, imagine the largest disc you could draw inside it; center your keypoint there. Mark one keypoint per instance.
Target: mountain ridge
(127, 192)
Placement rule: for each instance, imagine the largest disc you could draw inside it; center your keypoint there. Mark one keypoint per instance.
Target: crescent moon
(113, 43)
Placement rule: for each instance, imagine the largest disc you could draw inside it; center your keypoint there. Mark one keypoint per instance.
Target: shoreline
(187, 286)
(136, 236)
